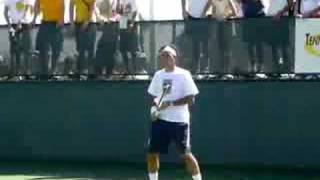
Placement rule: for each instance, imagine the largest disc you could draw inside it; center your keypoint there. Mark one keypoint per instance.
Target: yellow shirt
(51, 9)
(83, 9)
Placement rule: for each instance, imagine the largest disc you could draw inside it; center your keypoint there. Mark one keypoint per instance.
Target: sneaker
(228, 77)
(83, 77)
(261, 76)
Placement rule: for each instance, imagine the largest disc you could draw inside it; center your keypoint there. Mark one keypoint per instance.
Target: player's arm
(179, 102)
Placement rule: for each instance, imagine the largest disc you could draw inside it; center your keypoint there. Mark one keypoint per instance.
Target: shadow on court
(113, 171)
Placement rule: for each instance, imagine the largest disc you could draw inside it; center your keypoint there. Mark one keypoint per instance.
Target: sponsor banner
(307, 46)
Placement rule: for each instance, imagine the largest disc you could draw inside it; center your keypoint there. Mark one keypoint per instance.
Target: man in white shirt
(195, 14)
(107, 44)
(177, 90)
(128, 33)
(222, 11)
(278, 35)
(17, 14)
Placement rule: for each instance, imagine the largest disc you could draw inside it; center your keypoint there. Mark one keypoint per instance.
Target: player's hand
(154, 113)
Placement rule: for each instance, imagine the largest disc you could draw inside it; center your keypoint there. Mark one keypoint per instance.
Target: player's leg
(192, 165)
(153, 162)
(158, 143)
(182, 141)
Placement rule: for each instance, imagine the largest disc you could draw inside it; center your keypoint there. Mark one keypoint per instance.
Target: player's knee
(152, 157)
(186, 156)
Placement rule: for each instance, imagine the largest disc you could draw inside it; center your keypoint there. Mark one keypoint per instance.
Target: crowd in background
(95, 57)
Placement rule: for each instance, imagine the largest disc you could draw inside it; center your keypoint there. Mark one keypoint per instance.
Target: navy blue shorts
(163, 133)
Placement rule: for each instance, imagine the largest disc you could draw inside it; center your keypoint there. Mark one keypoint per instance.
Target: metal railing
(236, 47)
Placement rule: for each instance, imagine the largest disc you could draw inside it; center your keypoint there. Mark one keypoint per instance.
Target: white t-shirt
(309, 5)
(195, 7)
(181, 85)
(16, 10)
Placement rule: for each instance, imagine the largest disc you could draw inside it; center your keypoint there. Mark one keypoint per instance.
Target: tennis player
(172, 122)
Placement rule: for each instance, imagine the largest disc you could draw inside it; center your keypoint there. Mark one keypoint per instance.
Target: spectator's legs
(91, 47)
(18, 52)
(134, 61)
(221, 45)
(275, 58)
(80, 41)
(195, 63)
(260, 61)
(27, 47)
(57, 46)
(287, 64)
(126, 61)
(205, 53)
(251, 53)
(110, 59)
(100, 58)
(43, 46)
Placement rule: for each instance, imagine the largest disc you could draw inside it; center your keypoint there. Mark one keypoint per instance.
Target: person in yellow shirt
(50, 33)
(81, 18)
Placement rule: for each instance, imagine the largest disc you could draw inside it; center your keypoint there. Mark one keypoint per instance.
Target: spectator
(195, 15)
(85, 31)
(279, 36)
(50, 33)
(17, 14)
(128, 33)
(251, 33)
(107, 44)
(224, 10)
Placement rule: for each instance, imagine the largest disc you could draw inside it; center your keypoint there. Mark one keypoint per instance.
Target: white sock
(153, 176)
(197, 177)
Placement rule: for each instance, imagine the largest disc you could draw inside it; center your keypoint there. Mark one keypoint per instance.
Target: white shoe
(261, 76)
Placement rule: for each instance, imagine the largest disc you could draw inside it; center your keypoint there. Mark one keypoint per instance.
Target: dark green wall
(233, 122)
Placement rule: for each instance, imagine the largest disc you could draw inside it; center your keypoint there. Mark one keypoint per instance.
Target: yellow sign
(312, 44)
